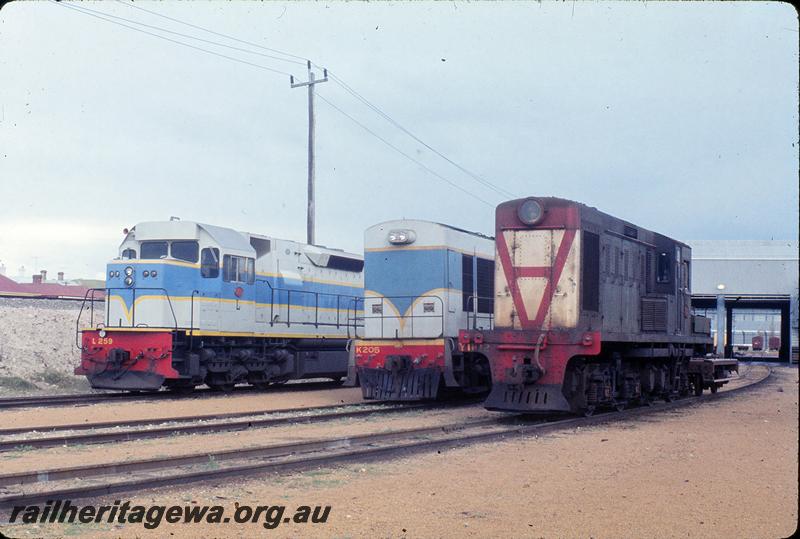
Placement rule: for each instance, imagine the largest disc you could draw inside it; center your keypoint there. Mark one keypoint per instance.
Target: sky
(679, 117)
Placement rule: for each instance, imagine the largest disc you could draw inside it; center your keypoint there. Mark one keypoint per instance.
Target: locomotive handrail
(316, 323)
(191, 314)
(475, 315)
(90, 295)
(383, 316)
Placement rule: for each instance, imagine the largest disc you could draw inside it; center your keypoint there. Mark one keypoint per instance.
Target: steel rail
(152, 421)
(94, 398)
(341, 449)
(203, 457)
(212, 427)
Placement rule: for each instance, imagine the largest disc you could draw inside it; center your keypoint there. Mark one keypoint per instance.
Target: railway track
(100, 480)
(212, 423)
(95, 398)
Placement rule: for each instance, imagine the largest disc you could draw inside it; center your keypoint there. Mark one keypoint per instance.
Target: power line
(105, 17)
(375, 108)
(401, 152)
(347, 88)
(81, 10)
(130, 4)
(161, 29)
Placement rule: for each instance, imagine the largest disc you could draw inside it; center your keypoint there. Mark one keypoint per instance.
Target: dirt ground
(37, 346)
(727, 468)
(277, 398)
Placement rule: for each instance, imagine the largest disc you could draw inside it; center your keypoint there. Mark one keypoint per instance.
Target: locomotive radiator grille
(654, 314)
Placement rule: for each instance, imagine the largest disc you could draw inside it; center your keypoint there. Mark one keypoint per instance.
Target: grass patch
(16, 383)
(60, 379)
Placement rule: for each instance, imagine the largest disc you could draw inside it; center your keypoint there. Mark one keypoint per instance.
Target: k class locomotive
(190, 303)
(423, 282)
(590, 311)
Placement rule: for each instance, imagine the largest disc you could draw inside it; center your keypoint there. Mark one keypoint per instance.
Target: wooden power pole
(310, 239)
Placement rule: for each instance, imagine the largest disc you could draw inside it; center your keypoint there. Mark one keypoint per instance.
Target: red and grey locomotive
(590, 311)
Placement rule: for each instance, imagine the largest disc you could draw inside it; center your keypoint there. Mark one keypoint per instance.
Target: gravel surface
(724, 468)
(37, 346)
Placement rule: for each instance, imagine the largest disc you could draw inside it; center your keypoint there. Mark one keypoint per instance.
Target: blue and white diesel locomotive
(424, 282)
(189, 303)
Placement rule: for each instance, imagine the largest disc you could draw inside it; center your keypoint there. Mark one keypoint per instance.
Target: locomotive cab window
(128, 254)
(663, 267)
(209, 262)
(238, 269)
(184, 250)
(152, 250)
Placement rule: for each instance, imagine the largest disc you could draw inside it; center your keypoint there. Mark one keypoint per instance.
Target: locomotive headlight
(116, 273)
(102, 333)
(145, 273)
(153, 273)
(110, 273)
(128, 271)
(128, 281)
(530, 212)
(401, 236)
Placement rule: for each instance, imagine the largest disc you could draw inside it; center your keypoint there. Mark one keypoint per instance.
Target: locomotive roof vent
(530, 212)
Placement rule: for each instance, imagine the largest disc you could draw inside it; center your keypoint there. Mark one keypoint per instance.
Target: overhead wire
(388, 118)
(239, 60)
(401, 152)
(338, 80)
(226, 36)
(188, 36)
(109, 18)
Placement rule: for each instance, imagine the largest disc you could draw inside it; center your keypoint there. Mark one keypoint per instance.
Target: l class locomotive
(590, 311)
(423, 282)
(189, 303)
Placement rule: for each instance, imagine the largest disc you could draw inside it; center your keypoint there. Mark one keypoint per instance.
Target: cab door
(205, 303)
(237, 295)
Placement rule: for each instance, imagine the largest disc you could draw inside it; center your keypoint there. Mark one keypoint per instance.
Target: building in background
(757, 283)
(42, 287)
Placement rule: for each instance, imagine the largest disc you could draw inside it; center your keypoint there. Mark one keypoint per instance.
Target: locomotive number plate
(368, 349)
(102, 340)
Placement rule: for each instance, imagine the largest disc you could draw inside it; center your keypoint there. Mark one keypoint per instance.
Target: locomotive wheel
(644, 400)
(225, 388)
(260, 385)
(698, 389)
(589, 410)
(619, 406)
(714, 388)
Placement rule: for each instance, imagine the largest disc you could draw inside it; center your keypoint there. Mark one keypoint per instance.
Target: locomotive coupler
(398, 363)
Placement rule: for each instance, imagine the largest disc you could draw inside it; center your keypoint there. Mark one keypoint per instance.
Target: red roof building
(38, 289)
